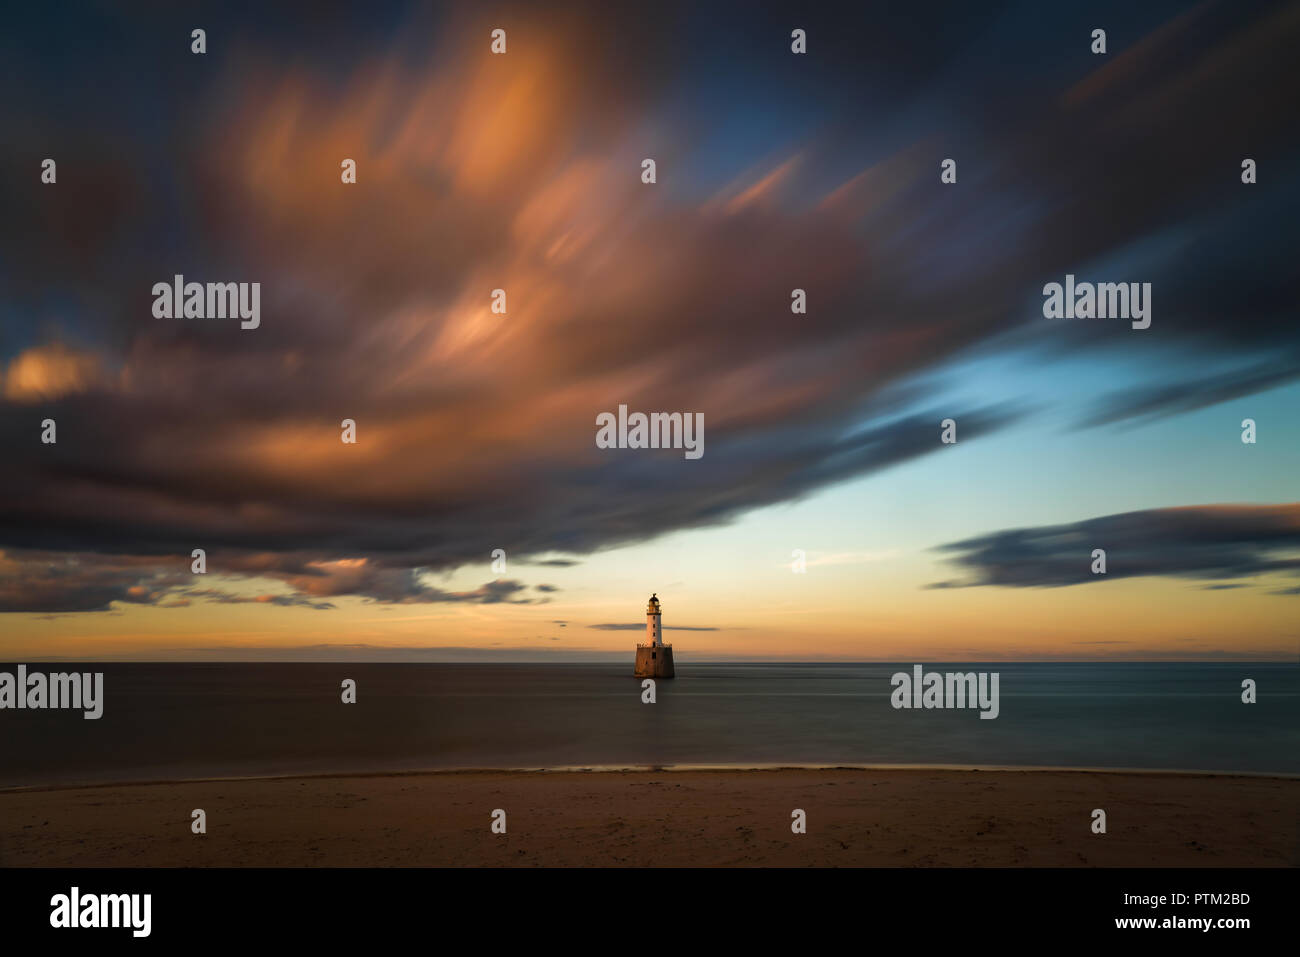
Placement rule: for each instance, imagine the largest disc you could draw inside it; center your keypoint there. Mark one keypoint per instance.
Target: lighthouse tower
(654, 659)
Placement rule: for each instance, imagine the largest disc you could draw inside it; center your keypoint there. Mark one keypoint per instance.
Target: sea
(173, 721)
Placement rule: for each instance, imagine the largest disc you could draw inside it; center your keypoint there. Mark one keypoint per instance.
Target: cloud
(231, 439)
(56, 582)
(476, 430)
(1153, 402)
(53, 582)
(1208, 541)
(50, 372)
(220, 597)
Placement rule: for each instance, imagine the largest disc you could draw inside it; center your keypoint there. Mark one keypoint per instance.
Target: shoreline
(590, 769)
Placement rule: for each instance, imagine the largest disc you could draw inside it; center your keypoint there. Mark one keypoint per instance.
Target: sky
(826, 519)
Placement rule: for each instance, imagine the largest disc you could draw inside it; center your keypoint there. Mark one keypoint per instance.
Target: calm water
(191, 720)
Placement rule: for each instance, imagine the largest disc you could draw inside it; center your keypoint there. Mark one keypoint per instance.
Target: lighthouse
(654, 659)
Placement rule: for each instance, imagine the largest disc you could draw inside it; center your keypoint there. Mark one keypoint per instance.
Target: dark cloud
(219, 597)
(1152, 402)
(54, 582)
(1212, 541)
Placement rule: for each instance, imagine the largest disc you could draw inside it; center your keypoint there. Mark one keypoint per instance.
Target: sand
(666, 818)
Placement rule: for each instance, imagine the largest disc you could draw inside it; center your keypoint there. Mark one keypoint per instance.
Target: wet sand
(913, 817)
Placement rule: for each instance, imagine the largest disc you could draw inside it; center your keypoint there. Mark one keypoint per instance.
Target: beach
(921, 817)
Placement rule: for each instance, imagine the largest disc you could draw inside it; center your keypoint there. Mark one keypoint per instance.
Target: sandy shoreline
(670, 817)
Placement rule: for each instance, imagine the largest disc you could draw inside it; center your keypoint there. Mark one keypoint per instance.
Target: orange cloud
(50, 372)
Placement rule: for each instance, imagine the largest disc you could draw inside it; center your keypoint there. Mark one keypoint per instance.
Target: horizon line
(616, 658)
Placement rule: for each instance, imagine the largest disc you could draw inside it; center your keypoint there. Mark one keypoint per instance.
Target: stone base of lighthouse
(654, 661)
